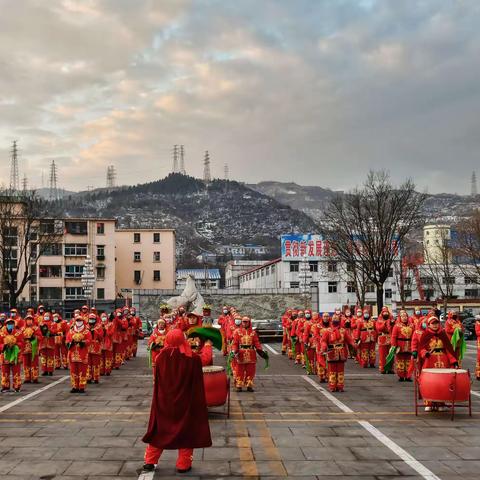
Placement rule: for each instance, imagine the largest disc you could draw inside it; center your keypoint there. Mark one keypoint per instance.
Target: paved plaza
(290, 427)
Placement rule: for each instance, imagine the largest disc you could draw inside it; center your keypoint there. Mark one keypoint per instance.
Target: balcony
(100, 258)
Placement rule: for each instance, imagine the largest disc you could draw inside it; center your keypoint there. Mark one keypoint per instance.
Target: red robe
(178, 416)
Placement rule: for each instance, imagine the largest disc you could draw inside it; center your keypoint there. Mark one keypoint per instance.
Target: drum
(444, 384)
(216, 385)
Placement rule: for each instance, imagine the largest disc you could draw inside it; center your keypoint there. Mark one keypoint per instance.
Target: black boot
(149, 467)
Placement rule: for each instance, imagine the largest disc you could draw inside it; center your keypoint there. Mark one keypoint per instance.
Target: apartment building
(61, 265)
(145, 259)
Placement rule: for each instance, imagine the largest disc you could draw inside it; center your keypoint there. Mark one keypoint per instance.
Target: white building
(325, 272)
(234, 268)
(205, 278)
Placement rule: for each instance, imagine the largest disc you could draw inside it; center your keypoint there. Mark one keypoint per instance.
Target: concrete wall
(259, 304)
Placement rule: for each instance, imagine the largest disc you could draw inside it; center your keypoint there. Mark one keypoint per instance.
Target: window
(426, 280)
(313, 266)
(100, 294)
(350, 267)
(137, 277)
(390, 273)
(33, 252)
(156, 275)
(273, 269)
(448, 280)
(72, 293)
(407, 293)
(294, 284)
(332, 287)
(47, 227)
(75, 250)
(137, 257)
(407, 281)
(156, 256)
(76, 228)
(294, 266)
(429, 293)
(52, 249)
(471, 280)
(100, 252)
(101, 273)
(263, 272)
(156, 237)
(50, 293)
(350, 287)
(73, 271)
(100, 230)
(136, 238)
(10, 235)
(388, 293)
(332, 267)
(471, 293)
(370, 288)
(50, 271)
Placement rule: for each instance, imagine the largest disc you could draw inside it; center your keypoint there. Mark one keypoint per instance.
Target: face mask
(385, 316)
(104, 319)
(335, 323)
(417, 312)
(92, 322)
(308, 316)
(47, 318)
(359, 314)
(238, 322)
(366, 316)
(225, 312)
(41, 311)
(56, 319)
(79, 323)
(10, 327)
(424, 325)
(119, 315)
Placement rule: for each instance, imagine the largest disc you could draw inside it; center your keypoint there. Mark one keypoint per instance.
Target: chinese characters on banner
(296, 247)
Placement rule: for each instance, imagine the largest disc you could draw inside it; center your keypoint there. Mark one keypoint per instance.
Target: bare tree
(439, 265)
(23, 239)
(467, 247)
(367, 226)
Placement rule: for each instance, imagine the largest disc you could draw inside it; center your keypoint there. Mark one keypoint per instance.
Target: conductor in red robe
(178, 416)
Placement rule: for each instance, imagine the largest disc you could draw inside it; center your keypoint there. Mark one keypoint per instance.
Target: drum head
(443, 370)
(212, 369)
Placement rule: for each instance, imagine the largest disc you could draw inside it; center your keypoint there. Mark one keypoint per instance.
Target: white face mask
(417, 312)
(238, 322)
(225, 312)
(79, 323)
(47, 318)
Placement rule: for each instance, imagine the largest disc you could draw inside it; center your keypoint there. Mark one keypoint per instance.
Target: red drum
(444, 384)
(216, 385)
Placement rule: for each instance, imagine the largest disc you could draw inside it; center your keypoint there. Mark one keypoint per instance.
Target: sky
(312, 91)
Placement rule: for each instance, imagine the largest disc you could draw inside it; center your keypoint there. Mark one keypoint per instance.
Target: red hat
(432, 319)
(176, 339)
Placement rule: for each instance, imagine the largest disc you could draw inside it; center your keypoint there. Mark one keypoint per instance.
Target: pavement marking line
(146, 475)
(475, 393)
(33, 394)
(271, 349)
(423, 471)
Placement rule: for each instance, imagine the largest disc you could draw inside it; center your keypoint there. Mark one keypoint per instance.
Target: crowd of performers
(322, 343)
(238, 340)
(90, 345)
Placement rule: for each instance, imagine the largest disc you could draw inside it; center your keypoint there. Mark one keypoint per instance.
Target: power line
(14, 175)
(474, 190)
(207, 177)
(175, 159)
(25, 183)
(225, 171)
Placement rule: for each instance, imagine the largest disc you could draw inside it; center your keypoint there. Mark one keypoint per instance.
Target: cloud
(315, 92)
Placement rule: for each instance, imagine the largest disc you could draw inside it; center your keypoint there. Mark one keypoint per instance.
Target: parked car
(469, 324)
(270, 329)
(147, 327)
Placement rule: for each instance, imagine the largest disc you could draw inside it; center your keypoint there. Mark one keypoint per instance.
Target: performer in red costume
(178, 416)
(477, 332)
(436, 351)
(197, 344)
(334, 345)
(121, 326)
(156, 342)
(224, 320)
(366, 336)
(32, 337)
(49, 331)
(402, 334)
(384, 326)
(296, 336)
(78, 342)
(60, 339)
(108, 326)
(321, 361)
(137, 330)
(245, 345)
(11, 347)
(453, 323)
(286, 325)
(308, 341)
(291, 349)
(95, 349)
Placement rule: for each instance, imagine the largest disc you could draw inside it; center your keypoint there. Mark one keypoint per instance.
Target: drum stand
(418, 396)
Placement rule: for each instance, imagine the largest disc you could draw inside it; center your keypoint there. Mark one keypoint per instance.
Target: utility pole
(225, 171)
(25, 183)
(14, 175)
(53, 190)
(111, 176)
(207, 177)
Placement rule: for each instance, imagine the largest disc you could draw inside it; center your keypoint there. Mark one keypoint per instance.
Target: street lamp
(88, 279)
